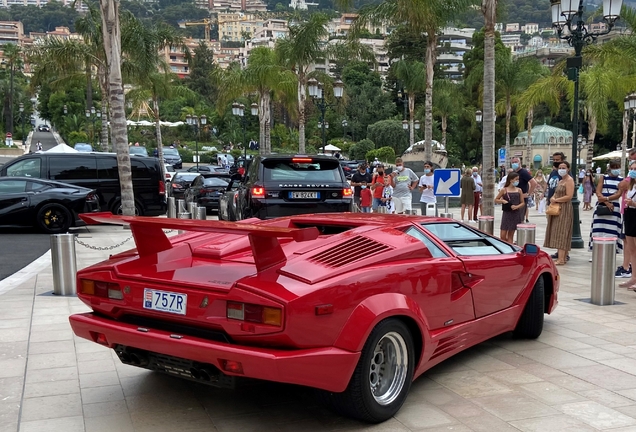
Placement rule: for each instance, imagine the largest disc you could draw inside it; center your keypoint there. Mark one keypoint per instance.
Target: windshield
(186, 176)
(83, 147)
(170, 151)
(215, 182)
(138, 151)
(305, 170)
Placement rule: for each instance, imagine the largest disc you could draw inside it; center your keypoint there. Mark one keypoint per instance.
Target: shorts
(377, 202)
(402, 204)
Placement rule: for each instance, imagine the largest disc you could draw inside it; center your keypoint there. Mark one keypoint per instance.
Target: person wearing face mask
(629, 220)
(426, 186)
(553, 178)
(511, 199)
(360, 176)
(607, 220)
(403, 181)
(558, 234)
(589, 185)
(478, 190)
(527, 183)
(377, 184)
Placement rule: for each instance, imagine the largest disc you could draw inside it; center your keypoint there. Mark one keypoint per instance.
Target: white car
(170, 171)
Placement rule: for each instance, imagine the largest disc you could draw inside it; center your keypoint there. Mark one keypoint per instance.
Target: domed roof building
(546, 140)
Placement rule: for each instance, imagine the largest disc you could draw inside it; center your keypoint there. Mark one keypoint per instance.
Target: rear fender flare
(374, 309)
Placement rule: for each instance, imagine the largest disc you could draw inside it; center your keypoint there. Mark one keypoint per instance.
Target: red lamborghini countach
(354, 305)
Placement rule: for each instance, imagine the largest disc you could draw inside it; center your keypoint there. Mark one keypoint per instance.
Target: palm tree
(112, 48)
(420, 17)
(412, 74)
(489, 9)
(447, 100)
(301, 49)
(12, 54)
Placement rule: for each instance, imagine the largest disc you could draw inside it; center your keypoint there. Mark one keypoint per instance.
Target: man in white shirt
(581, 175)
(477, 193)
(426, 186)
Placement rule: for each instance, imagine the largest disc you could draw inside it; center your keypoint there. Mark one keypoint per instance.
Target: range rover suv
(283, 185)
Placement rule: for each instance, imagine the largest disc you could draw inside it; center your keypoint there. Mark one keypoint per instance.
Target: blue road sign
(446, 182)
(502, 156)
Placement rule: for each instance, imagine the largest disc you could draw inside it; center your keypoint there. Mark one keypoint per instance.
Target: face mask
(474, 174)
(616, 172)
(556, 164)
(399, 167)
(427, 171)
(515, 183)
(632, 174)
(563, 172)
(363, 187)
(380, 171)
(515, 166)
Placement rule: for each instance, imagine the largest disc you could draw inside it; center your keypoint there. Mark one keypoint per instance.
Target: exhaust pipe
(196, 374)
(205, 375)
(138, 359)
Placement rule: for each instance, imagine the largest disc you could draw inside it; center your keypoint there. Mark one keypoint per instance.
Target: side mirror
(531, 249)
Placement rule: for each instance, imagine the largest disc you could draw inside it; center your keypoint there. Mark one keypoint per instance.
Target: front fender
(373, 310)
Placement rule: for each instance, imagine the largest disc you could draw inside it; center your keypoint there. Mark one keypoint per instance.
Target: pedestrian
(581, 175)
(426, 187)
(539, 191)
(553, 181)
(511, 199)
(478, 191)
(403, 181)
(366, 198)
(629, 221)
(467, 196)
(589, 186)
(607, 220)
(377, 184)
(558, 233)
(598, 168)
(387, 195)
(38, 145)
(357, 179)
(527, 183)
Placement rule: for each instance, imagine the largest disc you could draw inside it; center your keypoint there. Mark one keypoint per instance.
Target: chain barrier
(107, 248)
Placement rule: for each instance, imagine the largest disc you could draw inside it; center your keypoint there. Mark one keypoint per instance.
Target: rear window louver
(354, 249)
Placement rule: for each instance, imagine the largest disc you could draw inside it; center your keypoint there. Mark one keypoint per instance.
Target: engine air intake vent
(354, 249)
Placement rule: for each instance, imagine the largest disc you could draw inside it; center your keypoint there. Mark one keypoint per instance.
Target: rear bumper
(273, 208)
(325, 368)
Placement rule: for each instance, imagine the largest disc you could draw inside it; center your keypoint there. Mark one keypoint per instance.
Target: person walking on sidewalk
(629, 222)
(527, 183)
(426, 186)
(511, 199)
(477, 192)
(467, 197)
(558, 234)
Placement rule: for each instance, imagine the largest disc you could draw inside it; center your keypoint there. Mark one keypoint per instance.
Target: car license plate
(304, 195)
(165, 301)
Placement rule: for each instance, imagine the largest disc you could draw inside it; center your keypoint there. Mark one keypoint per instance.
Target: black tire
(358, 400)
(117, 209)
(530, 323)
(54, 218)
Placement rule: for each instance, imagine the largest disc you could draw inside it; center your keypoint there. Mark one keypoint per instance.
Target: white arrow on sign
(444, 186)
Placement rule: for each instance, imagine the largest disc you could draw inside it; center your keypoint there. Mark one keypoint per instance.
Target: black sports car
(48, 205)
(180, 183)
(206, 191)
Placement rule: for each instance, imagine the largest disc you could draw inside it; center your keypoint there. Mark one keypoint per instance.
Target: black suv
(283, 185)
(97, 171)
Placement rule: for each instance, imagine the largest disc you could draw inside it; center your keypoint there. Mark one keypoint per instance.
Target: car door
(14, 202)
(496, 271)
(192, 193)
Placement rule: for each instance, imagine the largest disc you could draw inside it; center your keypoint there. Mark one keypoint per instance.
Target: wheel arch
(549, 294)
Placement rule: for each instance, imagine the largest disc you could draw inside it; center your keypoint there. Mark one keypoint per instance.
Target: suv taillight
(162, 187)
(258, 192)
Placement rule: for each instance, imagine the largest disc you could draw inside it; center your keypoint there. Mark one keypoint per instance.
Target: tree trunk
(589, 151)
(431, 46)
(155, 107)
(625, 134)
(102, 76)
(112, 47)
(508, 115)
(444, 126)
(489, 8)
(301, 112)
(529, 142)
(265, 123)
(89, 85)
(411, 116)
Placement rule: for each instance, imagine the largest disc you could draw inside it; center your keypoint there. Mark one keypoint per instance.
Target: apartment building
(452, 44)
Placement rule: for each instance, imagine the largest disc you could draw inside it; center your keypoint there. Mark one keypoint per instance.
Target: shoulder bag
(554, 209)
(507, 207)
(602, 209)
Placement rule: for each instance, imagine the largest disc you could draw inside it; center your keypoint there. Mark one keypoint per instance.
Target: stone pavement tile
(17, 334)
(562, 342)
(50, 319)
(619, 348)
(51, 335)
(514, 406)
(162, 402)
(12, 367)
(94, 356)
(629, 410)
(462, 409)
(514, 376)
(607, 398)
(65, 424)
(15, 323)
(102, 394)
(64, 346)
(92, 366)
(53, 374)
(387, 426)
(193, 418)
(558, 330)
(556, 423)
(84, 346)
(419, 415)
(10, 387)
(40, 389)
(622, 338)
(604, 377)
(516, 345)
(47, 309)
(597, 415)
(111, 423)
(99, 379)
(513, 359)
(596, 353)
(486, 363)
(230, 404)
(470, 383)
(434, 394)
(9, 411)
(102, 409)
(54, 360)
(488, 423)
(624, 364)
(550, 393)
(152, 382)
(9, 427)
(51, 407)
(556, 358)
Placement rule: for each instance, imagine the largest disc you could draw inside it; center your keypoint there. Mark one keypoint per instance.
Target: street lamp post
(22, 119)
(479, 117)
(344, 130)
(567, 18)
(630, 107)
(581, 142)
(239, 111)
(195, 121)
(315, 91)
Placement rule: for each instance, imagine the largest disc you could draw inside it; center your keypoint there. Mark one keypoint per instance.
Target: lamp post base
(577, 240)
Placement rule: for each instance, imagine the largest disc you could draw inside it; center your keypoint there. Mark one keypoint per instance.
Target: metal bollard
(431, 209)
(181, 206)
(487, 224)
(446, 215)
(381, 209)
(192, 209)
(172, 207)
(183, 215)
(526, 234)
(202, 213)
(603, 266)
(64, 264)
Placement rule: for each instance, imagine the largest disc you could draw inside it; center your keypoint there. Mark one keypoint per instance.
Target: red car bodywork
(333, 277)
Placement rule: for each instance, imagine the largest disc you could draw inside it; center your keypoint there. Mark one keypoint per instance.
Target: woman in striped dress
(608, 192)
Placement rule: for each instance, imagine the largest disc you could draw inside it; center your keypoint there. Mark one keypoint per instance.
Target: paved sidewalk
(580, 375)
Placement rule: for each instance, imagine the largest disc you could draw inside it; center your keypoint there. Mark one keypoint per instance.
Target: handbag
(603, 210)
(507, 207)
(553, 209)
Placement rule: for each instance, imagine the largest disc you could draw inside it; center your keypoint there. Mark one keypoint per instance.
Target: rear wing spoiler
(150, 238)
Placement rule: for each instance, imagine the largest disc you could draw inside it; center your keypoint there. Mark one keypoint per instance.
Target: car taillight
(101, 289)
(302, 160)
(176, 186)
(258, 192)
(347, 193)
(255, 313)
(167, 175)
(91, 197)
(162, 187)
